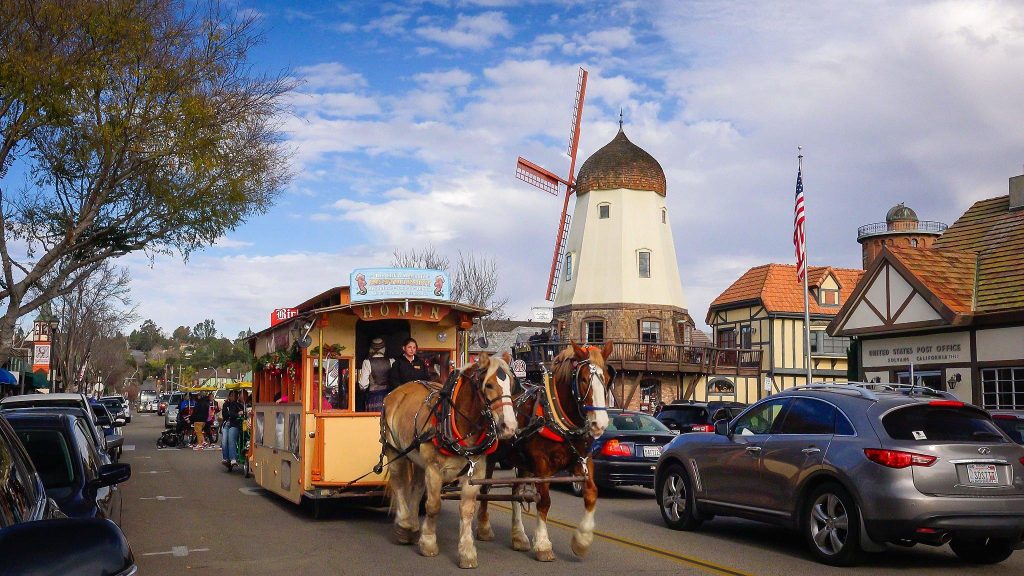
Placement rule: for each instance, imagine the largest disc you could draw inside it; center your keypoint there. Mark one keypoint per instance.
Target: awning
(35, 380)
(7, 378)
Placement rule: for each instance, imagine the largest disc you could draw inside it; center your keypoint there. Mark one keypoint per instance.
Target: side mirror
(110, 474)
(722, 427)
(53, 547)
(119, 422)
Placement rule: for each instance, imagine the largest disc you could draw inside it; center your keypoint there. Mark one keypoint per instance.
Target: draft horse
(434, 435)
(558, 423)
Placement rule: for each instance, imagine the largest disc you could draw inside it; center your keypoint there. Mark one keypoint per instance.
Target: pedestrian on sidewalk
(199, 415)
(232, 415)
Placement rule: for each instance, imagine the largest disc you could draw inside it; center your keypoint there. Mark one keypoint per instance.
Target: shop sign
(931, 349)
(40, 357)
(401, 311)
(282, 314)
(399, 283)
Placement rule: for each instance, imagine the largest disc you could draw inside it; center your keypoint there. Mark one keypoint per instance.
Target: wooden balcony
(667, 358)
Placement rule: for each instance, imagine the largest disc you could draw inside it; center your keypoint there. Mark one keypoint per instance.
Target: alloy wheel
(673, 496)
(829, 524)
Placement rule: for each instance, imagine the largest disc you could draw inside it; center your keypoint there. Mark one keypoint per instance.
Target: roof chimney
(1017, 193)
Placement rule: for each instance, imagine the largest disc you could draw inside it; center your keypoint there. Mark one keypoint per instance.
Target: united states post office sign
(931, 349)
(367, 284)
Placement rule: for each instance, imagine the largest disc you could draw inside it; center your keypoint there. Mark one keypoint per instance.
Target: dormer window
(828, 297)
(604, 211)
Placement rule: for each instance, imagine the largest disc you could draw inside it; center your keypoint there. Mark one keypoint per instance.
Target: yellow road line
(654, 550)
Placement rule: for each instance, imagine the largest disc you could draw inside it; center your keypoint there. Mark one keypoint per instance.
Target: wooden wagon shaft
(495, 497)
(516, 481)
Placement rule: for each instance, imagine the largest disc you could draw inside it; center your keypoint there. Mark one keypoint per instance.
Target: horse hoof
(485, 534)
(520, 545)
(578, 548)
(428, 550)
(468, 562)
(545, 555)
(405, 535)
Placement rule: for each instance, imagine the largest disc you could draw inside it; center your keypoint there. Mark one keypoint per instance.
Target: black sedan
(626, 453)
(71, 468)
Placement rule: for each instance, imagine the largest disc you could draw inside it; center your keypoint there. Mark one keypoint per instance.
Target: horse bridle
(578, 398)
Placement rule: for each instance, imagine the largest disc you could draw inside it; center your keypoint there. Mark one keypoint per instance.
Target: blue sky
(410, 115)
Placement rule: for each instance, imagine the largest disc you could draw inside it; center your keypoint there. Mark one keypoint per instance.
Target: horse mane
(493, 364)
(562, 363)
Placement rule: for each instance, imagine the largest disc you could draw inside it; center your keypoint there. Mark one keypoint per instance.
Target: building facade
(901, 228)
(950, 316)
(763, 310)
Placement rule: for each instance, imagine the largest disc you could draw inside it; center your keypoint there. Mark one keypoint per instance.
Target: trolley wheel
(246, 472)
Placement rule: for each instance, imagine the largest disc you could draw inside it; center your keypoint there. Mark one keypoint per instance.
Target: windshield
(941, 423)
(632, 421)
(684, 414)
(115, 404)
(1013, 426)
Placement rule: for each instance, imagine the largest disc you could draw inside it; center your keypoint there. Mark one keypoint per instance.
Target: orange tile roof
(776, 287)
(947, 274)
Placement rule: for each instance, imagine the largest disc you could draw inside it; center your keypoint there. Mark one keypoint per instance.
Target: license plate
(652, 451)
(982, 474)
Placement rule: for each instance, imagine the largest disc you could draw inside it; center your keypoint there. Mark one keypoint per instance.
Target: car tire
(982, 550)
(830, 523)
(676, 499)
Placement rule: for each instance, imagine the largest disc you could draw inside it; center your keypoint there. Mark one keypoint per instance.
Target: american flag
(799, 242)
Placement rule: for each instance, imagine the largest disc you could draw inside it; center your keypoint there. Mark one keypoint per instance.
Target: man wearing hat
(373, 376)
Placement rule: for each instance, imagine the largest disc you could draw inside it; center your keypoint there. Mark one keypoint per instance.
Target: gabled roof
(996, 235)
(775, 286)
(947, 274)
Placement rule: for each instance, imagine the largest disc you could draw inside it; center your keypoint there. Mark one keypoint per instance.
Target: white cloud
(472, 32)
(231, 244)
(391, 25)
(602, 42)
(443, 80)
(329, 75)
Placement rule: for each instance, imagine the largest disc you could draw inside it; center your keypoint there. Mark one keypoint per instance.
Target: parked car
(111, 428)
(171, 415)
(161, 403)
(1012, 423)
(63, 400)
(852, 469)
(36, 537)
(626, 453)
(686, 416)
(118, 406)
(73, 473)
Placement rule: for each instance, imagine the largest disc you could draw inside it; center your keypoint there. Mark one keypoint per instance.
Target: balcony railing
(662, 358)
(880, 228)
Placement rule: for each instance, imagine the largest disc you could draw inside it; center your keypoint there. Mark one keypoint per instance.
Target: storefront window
(1002, 388)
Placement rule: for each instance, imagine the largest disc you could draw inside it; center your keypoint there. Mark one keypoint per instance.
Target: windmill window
(913, 242)
(568, 267)
(604, 211)
(664, 216)
(593, 331)
(650, 331)
(644, 264)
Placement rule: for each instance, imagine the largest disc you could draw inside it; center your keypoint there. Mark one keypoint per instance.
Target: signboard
(41, 357)
(946, 348)
(399, 310)
(399, 283)
(282, 314)
(542, 314)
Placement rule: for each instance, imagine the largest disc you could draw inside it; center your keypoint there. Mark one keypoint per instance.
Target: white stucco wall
(605, 252)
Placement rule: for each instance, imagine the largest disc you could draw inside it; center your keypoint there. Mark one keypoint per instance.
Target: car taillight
(703, 428)
(950, 403)
(615, 448)
(1003, 417)
(897, 458)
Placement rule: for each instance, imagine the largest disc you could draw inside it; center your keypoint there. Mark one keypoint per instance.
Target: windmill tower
(614, 272)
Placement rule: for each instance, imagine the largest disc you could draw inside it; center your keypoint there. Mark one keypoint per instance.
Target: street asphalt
(183, 513)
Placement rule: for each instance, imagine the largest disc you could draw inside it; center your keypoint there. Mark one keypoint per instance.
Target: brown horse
(480, 412)
(572, 419)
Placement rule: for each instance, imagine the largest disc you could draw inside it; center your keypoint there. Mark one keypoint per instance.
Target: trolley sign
(399, 283)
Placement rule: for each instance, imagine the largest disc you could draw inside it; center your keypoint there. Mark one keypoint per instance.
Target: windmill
(547, 181)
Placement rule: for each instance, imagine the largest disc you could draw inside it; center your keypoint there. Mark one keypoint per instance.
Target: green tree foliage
(133, 125)
(204, 331)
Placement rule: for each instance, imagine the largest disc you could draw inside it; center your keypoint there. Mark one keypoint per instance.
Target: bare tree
(94, 310)
(475, 279)
(134, 125)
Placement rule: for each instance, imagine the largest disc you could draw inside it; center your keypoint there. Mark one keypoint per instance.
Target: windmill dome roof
(621, 164)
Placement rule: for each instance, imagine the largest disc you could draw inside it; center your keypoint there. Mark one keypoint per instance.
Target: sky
(409, 117)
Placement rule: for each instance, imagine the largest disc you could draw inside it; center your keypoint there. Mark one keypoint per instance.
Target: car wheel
(981, 550)
(831, 525)
(676, 499)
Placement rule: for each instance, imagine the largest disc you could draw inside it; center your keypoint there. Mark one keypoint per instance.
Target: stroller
(180, 436)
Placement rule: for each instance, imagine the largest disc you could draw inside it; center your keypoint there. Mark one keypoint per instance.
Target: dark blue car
(72, 470)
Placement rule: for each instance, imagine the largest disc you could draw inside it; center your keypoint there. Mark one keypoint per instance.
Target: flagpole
(807, 270)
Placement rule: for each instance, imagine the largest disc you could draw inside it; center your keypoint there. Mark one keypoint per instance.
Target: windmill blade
(538, 177)
(577, 117)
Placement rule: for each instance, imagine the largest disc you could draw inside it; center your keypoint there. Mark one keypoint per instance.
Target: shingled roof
(947, 274)
(776, 287)
(621, 164)
(990, 230)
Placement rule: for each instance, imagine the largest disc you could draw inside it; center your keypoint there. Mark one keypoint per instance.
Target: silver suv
(853, 468)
